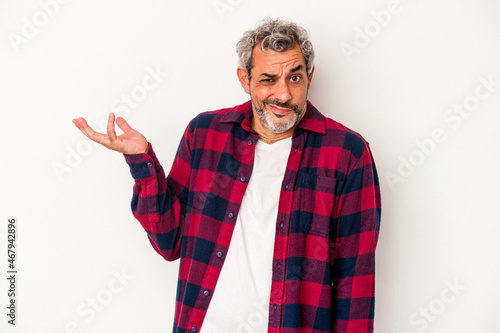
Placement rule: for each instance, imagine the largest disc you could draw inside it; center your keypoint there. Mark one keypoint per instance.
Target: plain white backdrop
(419, 79)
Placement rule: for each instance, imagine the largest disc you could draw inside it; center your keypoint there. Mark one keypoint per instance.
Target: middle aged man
(273, 209)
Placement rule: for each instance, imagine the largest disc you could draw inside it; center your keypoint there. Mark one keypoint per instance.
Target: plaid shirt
(326, 230)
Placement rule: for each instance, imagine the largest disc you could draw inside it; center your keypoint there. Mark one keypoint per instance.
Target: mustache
(293, 107)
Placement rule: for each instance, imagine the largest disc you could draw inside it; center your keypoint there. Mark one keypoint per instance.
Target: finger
(111, 127)
(82, 125)
(123, 125)
(78, 122)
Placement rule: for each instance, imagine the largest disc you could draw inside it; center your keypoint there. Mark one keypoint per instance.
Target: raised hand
(130, 142)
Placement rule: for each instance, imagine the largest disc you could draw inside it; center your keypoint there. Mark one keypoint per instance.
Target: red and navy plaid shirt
(327, 227)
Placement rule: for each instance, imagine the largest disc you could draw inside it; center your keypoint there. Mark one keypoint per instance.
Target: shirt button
(193, 329)
(275, 307)
(249, 142)
(286, 186)
(278, 264)
(230, 215)
(206, 293)
(281, 225)
(243, 179)
(295, 152)
(219, 254)
(150, 164)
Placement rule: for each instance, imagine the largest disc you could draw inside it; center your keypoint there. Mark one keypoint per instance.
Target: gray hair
(277, 35)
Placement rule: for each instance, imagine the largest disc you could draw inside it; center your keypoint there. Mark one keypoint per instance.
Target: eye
(266, 80)
(295, 78)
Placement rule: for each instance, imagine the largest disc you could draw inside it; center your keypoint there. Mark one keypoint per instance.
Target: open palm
(130, 142)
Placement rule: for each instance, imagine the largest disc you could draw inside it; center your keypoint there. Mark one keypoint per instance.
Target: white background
(440, 220)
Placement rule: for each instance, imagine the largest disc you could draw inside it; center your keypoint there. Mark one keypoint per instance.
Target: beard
(274, 125)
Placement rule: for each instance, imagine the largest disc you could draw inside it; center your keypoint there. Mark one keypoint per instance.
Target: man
(272, 208)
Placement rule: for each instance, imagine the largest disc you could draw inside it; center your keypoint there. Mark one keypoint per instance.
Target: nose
(282, 91)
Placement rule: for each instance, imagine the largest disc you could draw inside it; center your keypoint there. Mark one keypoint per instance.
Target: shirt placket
(277, 299)
(218, 256)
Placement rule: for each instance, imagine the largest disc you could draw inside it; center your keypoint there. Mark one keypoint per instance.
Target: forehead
(277, 61)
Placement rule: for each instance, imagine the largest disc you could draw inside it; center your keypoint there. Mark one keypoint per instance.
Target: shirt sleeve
(357, 229)
(156, 202)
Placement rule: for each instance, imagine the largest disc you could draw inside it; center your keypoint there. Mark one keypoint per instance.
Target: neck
(274, 138)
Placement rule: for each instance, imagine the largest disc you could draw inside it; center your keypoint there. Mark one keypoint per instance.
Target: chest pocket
(314, 204)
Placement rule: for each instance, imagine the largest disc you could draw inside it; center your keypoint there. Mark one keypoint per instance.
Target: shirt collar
(312, 121)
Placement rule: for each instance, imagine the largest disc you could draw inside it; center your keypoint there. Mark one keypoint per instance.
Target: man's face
(278, 88)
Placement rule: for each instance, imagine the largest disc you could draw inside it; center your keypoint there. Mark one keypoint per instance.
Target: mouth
(279, 111)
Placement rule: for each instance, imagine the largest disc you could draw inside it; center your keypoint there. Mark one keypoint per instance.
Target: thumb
(122, 124)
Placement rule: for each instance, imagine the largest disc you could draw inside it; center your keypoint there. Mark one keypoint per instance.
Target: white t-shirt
(240, 302)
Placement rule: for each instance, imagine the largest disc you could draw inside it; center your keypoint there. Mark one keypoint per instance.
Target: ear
(243, 77)
(309, 78)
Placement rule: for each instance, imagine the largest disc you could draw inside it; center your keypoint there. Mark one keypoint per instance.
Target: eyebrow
(298, 68)
(269, 75)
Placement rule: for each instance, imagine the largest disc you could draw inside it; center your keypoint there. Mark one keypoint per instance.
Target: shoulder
(202, 120)
(347, 148)
(345, 137)
(218, 119)
(332, 133)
